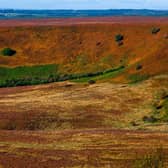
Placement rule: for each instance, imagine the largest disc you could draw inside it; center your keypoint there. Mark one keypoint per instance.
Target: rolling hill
(89, 48)
(100, 94)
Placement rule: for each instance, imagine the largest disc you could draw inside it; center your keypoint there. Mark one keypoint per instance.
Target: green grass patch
(27, 71)
(41, 74)
(135, 78)
(26, 75)
(159, 109)
(102, 75)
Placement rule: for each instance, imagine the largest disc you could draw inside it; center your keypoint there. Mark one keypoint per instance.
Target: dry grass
(67, 105)
(81, 48)
(89, 148)
(77, 125)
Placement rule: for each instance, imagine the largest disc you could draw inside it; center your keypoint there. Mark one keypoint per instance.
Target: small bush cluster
(119, 37)
(138, 67)
(91, 82)
(155, 30)
(150, 119)
(8, 52)
(161, 107)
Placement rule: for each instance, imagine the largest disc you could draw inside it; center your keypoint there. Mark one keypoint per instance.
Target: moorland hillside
(89, 48)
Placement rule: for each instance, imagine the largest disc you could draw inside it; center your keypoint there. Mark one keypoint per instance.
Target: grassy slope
(40, 74)
(67, 105)
(72, 125)
(80, 107)
(88, 48)
(76, 149)
(27, 71)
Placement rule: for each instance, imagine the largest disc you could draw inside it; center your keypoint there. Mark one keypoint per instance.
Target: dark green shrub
(91, 82)
(138, 67)
(155, 30)
(22, 76)
(119, 37)
(150, 119)
(8, 52)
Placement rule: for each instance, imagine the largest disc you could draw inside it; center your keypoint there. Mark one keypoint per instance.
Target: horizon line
(149, 9)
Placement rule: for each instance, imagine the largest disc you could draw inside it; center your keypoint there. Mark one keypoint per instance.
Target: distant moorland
(23, 14)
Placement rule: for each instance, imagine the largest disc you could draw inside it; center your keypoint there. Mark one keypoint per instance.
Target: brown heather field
(78, 125)
(88, 47)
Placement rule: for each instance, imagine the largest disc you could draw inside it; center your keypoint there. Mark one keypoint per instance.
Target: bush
(155, 30)
(138, 67)
(119, 38)
(150, 119)
(8, 52)
(91, 82)
(120, 43)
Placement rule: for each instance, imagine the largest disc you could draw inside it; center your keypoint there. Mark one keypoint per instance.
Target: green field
(32, 75)
(26, 74)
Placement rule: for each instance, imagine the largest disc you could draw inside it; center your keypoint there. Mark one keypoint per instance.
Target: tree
(8, 52)
(119, 37)
(155, 30)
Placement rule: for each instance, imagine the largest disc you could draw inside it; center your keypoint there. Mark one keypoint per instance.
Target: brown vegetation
(91, 125)
(88, 47)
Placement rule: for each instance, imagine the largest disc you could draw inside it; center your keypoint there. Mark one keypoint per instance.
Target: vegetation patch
(110, 73)
(155, 30)
(27, 75)
(42, 121)
(160, 109)
(138, 67)
(22, 76)
(150, 119)
(119, 37)
(91, 82)
(155, 159)
(8, 52)
(135, 78)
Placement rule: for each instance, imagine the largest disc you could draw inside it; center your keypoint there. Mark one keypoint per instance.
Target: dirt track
(76, 21)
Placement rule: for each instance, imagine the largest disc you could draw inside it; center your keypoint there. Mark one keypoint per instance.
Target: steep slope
(88, 47)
